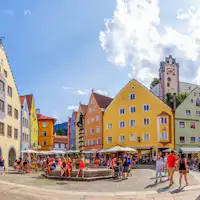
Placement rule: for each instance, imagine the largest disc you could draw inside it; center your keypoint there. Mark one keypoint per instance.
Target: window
(192, 125)
(92, 101)
(44, 133)
(168, 84)
(90, 110)
(187, 112)
(94, 109)
(122, 124)
(181, 124)
(121, 111)
(44, 142)
(85, 143)
(9, 131)
(59, 146)
(38, 133)
(2, 86)
(146, 121)
(9, 110)
(9, 91)
(182, 139)
(192, 139)
(97, 118)
(16, 134)
(2, 106)
(93, 142)
(146, 137)
(192, 100)
(163, 120)
(133, 138)
(146, 107)
(195, 94)
(5, 73)
(132, 109)
(86, 132)
(164, 136)
(197, 113)
(109, 140)
(44, 124)
(98, 141)
(16, 114)
(132, 123)
(97, 129)
(92, 131)
(122, 138)
(88, 121)
(109, 125)
(92, 119)
(2, 129)
(132, 96)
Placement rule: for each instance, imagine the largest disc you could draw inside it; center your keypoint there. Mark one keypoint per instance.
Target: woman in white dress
(1, 165)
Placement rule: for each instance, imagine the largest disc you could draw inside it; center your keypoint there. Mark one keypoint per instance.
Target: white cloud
(27, 12)
(66, 88)
(9, 12)
(82, 92)
(102, 92)
(72, 107)
(133, 37)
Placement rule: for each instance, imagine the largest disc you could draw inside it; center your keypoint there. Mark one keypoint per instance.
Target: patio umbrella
(29, 151)
(57, 152)
(115, 149)
(72, 151)
(129, 149)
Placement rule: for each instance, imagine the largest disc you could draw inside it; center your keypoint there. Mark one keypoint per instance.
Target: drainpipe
(21, 129)
(102, 130)
(174, 110)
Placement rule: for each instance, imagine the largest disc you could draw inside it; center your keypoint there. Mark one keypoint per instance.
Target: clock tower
(169, 76)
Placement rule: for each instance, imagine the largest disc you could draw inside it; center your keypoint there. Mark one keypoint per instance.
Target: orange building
(93, 138)
(45, 132)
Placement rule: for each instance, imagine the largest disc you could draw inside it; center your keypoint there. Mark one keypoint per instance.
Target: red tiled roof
(41, 117)
(29, 99)
(84, 108)
(22, 99)
(102, 101)
(75, 113)
(60, 139)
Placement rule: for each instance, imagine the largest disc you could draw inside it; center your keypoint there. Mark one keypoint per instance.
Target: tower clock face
(171, 71)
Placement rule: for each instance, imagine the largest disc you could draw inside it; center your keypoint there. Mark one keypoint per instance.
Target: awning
(143, 148)
(190, 149)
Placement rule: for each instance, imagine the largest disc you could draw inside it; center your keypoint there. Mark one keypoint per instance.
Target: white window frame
(88, 121)
(86, 131)
(144, 137)
(120, 138)
(131, 95)
(44, 124)
(120, 124)
(43, 143)
(92, 119)
(108, 126)
(43, 134)
(91, 130)
(109, 137)
(198, 114)
(191, 140)
(186, 112)
(147, 118)
(134, 123)
(122, 109)
(179, 124)
(180, 139)
(98, 141)
(163, 120)
(98, 127)
(135, 137)
(164, 139)
(90, 110)
(97, 118)
(145, 105)
(134, 108)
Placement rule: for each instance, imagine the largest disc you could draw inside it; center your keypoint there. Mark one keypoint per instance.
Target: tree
(154, 82)
(179, 99)
(60, 132)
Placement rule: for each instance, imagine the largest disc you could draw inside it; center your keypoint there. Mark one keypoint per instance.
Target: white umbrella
(72, 151)
(44, 152)
(129, 149)
(115, 149)
(29, 151)
(57, 152)
(102, 150)
(90, 151)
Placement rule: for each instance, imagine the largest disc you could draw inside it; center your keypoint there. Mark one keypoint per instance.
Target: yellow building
(138, 119)
(45, 132)
(81, 110)
(9, 112)
(33, 122)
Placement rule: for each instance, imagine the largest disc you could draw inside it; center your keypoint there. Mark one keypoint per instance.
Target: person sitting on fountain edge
(81, 169)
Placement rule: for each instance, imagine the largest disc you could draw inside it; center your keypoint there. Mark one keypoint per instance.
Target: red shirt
(82, 165)
(171, 161)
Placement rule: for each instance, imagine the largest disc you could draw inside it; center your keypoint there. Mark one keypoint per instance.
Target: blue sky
(56, 54)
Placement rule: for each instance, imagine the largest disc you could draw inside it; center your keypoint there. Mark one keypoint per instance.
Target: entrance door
(11, 157)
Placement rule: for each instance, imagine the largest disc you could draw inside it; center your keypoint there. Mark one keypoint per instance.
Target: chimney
(37, 111)
(80, 103)
(92, 90)
(174, 102)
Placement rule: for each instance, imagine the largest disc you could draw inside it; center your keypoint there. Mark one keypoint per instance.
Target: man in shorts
(171, 162)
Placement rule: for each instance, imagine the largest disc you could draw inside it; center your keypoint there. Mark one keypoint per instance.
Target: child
(69, 166)
(81, 169)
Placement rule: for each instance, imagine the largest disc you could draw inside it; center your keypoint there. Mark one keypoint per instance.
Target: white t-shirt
(159, 162)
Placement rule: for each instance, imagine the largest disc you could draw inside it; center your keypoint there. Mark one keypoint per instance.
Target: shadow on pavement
(115, 180)
(151, 185)
(177, 190)
(165, 189)
(198, 198)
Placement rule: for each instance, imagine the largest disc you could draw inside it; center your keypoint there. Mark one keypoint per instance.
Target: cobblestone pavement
(34, 186)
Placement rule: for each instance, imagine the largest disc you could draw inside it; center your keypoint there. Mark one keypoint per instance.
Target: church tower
(169, 76)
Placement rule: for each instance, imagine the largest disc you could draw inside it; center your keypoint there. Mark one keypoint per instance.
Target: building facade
(93, 138)
(81, 110)
(45, 132)
(138, 119)
(9, 112)
(68, 131)
(60, 142)
(72, 136)
(33, 122)
(187, 121)
(24, 129)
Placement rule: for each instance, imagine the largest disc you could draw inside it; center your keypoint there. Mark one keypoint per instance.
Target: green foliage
(60, 132)
(179, 99)
(154, 82)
